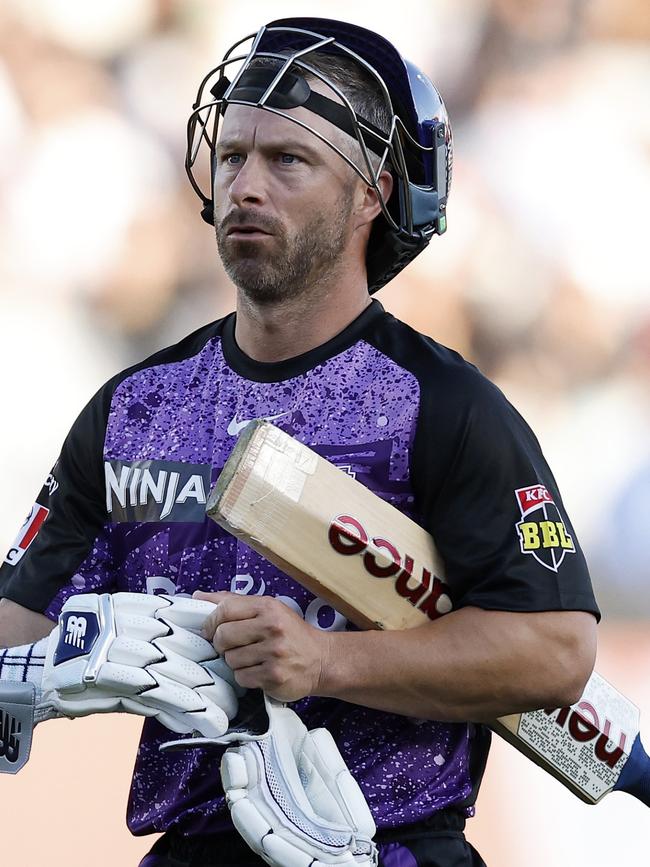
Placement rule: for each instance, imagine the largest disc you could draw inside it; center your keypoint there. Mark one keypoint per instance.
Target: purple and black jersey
(124, 509)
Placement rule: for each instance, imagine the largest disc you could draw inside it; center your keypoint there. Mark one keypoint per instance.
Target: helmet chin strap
(207, 211)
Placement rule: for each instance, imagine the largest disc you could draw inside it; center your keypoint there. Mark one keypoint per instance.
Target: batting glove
(291, 795)
(127, 652)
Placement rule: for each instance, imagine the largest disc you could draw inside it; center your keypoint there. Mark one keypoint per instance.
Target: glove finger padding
(187, 613)
(293, 799)
(182, 641)
(134, 651)
(222, 671)
(141, 654)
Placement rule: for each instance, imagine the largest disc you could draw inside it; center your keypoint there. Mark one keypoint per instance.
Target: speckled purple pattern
(359, 409)
(94, 575)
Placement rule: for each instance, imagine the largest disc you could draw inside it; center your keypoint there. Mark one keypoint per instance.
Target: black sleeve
(64, 546)
(491, 503)
(65, 525)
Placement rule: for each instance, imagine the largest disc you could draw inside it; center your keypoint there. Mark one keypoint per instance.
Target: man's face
(283, 202)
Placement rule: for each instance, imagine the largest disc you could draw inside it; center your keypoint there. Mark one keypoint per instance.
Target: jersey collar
(277, 371)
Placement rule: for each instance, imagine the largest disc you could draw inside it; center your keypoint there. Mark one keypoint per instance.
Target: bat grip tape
(635, 776)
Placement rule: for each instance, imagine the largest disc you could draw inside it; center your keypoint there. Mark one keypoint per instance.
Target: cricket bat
(382, 571)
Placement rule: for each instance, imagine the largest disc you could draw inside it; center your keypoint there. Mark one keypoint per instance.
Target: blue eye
(288, 159)
(232, 159)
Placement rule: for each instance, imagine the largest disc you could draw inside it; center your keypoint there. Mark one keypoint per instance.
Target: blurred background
(542, 281)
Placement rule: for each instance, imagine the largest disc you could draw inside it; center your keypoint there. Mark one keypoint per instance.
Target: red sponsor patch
(532, 497)
(28, 532)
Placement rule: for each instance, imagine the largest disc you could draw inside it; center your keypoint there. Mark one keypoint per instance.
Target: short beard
(298, 263)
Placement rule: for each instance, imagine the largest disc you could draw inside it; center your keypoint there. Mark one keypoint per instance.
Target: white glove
(127, 652)
(291, 795)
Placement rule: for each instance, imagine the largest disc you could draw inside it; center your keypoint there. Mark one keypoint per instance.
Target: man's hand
(266, 644)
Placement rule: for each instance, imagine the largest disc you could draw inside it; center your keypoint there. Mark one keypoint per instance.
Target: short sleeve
(492, 505)
(63, 545)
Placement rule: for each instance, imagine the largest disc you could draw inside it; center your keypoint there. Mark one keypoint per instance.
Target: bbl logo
(542, 531)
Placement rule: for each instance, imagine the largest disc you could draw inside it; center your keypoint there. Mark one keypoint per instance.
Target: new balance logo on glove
(10, 729)
(78, 632)
(75, 631)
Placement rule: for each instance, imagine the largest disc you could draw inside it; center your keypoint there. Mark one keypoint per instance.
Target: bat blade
(382, 571)
(281, 498)
(593, 747)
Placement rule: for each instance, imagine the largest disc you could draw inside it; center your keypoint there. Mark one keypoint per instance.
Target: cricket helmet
(417, 148)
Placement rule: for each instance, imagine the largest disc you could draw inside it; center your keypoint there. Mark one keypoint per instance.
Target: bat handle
(635, 776)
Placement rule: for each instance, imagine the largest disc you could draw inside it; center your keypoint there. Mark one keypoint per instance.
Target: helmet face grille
(271, 71)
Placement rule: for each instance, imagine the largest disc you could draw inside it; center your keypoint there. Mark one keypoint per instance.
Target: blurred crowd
(542, 279)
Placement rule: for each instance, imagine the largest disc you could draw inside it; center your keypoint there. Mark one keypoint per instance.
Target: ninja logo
(156, 491)
(542, 531)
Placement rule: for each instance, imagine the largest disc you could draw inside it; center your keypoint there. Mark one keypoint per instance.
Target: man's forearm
(470, 665)
(20, 625)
